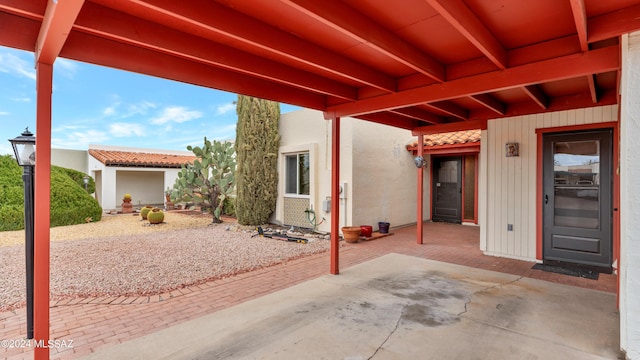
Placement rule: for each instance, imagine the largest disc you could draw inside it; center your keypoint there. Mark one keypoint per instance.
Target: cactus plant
(126, 197)
(210, 179)
(145, 211)
(155, 216)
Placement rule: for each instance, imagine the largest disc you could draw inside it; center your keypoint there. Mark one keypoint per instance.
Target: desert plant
(257, 145)
(144, 212)
(126, 197)
(155, 216)
(210, 179)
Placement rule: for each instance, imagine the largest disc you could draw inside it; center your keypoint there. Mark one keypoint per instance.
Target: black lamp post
(25, 151)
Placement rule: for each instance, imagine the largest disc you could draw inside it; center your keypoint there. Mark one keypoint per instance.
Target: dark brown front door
(447, 189)
(577, 198)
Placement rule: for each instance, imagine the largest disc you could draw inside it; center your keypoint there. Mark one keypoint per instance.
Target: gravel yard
(122, 255)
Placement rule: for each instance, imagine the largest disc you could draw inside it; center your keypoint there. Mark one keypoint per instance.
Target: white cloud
(226, 108)
(3, 113)
(12, 64)
(139, 109)
(21, 99)
(79, 139)
(178, 114)
(125, 130)
(109, 110)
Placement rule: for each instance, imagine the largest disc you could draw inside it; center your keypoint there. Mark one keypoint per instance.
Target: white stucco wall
(70, 159)
(509, 184)
(378, 170)
(630, 197)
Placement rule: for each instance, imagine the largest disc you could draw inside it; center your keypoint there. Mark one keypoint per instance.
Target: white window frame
(286, 175)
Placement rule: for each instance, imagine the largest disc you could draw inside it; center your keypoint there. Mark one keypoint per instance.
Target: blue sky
(99, 105)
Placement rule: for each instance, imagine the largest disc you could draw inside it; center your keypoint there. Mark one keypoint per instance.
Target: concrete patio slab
(398, 307)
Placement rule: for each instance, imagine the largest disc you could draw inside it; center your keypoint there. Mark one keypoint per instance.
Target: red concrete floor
(100, 322)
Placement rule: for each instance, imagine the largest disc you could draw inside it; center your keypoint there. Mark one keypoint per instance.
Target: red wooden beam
(449, 109)
(335, 196)
(420, 210)
(114, 25)
(489, 102)
(388, 118)
(465, 21)
(565, 67)
(56, 26)
(536, 95)
(614, 24)
(353, 23)
(419, 114)
(42, 204)
(211, 20)
(580, 19)
(451, 127)
(99, 51)
(593, 89)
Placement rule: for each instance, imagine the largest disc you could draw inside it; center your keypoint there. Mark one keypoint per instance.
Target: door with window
(297, 189)
(447, 189)
(577, 198)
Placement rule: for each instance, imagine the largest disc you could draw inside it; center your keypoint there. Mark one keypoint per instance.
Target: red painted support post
(420, 192)
(44, 87)
(335, 195)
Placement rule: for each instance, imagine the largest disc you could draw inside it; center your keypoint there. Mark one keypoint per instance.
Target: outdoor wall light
(85, 179)
(512, 149)
(420, 162)
(24, 147)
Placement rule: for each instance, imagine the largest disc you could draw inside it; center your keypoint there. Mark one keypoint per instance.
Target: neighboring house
(376, 172)
(143, 173)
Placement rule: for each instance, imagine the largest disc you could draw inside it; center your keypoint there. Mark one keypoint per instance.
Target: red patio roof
(405, 63)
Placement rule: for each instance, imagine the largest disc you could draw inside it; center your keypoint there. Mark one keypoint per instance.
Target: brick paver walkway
(99, 322)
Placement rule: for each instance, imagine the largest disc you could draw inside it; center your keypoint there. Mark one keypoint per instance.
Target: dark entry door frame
(613, 217)
(446, 204)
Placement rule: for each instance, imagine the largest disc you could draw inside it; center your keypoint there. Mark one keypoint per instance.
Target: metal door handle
(546, 199)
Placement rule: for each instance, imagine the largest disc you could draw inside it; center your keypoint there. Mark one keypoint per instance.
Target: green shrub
(70, 203)
(229, 206)
(78, 177)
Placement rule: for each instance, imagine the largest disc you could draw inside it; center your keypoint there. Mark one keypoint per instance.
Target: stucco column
(630, 197)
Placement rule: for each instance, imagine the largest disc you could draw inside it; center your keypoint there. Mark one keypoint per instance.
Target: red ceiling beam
(458, 14)
(210, 20)
(534, 92)
(420, 115)
(489, 102)
(565, 67)
(449, 109)
(580, 19)
(17, 32)
(593, 90)
(96, 50)
(560, 103)
(387, 118)
(614, 24)
(450, 127)
(27, 9)
(353, 23)
(114, 25)
(56, 26)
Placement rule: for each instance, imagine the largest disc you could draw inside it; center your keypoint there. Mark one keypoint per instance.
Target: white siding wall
(510, 183)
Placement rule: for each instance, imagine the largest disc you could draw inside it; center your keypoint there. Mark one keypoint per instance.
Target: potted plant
(383, 227)
(351, 234)
(127, 207)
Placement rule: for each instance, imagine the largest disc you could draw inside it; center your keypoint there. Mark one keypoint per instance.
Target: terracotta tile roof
(450, 138)
(124, 158)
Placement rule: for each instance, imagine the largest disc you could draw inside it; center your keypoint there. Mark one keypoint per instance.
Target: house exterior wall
(629, 272)
(376, 168)
(144, 185)
(510, 182)
(70, 159)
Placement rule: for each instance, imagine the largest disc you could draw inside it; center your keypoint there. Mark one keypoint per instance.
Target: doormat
(587, 274)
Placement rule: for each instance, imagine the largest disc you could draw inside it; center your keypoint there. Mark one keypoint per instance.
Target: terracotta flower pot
(366, 230)
(351, 234)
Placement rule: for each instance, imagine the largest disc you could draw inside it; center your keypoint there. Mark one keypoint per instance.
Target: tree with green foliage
(210, 179)
(70, 203)
(257, 146)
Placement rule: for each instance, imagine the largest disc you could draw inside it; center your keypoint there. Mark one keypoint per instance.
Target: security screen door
(577, 198)
(447, 189)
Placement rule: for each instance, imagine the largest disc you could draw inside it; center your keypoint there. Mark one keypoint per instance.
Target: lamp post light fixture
(24, 148)
(85, 179)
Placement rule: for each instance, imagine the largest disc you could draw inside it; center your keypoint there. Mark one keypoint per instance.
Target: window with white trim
(297, 174)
